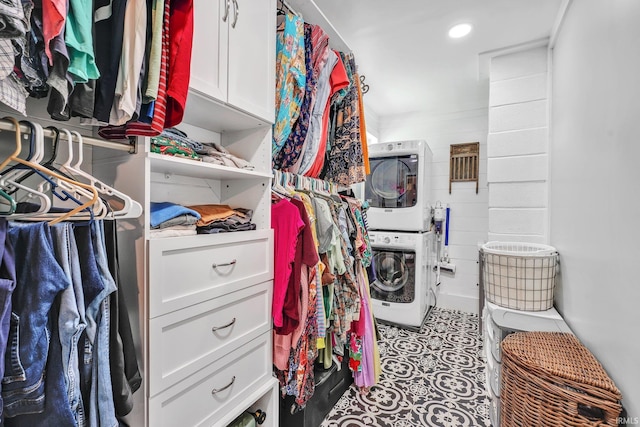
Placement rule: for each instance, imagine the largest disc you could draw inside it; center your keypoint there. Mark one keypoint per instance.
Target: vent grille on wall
(463, 164)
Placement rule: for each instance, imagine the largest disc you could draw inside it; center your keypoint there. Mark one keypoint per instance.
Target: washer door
(392, 182)
(394, 272)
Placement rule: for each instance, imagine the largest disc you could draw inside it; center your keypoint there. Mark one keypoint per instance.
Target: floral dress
(290, 79)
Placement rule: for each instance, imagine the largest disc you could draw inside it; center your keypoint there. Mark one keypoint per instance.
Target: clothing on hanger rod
(284, 4)
(49, 133)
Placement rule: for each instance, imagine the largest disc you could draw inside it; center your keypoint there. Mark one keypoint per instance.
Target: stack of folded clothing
(222, 219)
(172, 220)
(166, 145)
(173, 141)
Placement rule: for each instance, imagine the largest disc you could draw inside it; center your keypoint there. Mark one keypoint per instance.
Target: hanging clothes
(345, 163)
(126, 378)
(79, 40)
(332, 295)
(7, 286)
(286, 224)
(290, 79)
(180, 43)
(292, 147)
(338, 80)
(70, 355)
(109, 33)
(133, 47)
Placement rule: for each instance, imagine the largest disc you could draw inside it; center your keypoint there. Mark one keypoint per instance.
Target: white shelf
(208, 113)
(312, 14)
(178, 166)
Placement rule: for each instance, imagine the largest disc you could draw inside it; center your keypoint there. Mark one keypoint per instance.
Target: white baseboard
(458, 302)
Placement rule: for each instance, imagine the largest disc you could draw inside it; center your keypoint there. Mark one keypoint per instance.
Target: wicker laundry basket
(520, 276)
(549, 379)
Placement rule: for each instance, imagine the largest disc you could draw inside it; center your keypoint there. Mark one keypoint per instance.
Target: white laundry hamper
(520, 276)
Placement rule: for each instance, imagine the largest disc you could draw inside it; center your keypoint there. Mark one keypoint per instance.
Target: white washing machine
(398, 187)
(402, 281)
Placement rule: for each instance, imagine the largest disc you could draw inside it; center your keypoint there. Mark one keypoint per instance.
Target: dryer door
(393, 274)
(393, 182)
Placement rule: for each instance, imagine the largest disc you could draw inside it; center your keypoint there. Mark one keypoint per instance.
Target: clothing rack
(301, 182)
(131, 147)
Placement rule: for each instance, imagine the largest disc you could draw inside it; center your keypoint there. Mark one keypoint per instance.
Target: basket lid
(560, 355)
(518, 248)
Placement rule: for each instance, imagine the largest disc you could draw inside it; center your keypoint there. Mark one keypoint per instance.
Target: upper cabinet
(232, 65)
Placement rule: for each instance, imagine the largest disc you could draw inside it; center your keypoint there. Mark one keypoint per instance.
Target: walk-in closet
(319, 213)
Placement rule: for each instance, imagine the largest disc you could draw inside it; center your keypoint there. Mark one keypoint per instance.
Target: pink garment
(282, 344)
(366, 377)
(54, 15)
(286, 224)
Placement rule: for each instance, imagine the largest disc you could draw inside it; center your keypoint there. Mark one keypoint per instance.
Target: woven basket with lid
(551, 379)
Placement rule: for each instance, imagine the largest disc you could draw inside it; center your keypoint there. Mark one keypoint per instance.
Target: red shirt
(180, 43)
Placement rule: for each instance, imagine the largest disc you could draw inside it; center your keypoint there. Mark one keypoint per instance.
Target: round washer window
(388, 178)
(392, 272)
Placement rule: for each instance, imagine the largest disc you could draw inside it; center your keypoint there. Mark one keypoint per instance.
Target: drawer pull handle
(217, 328)
(214, 265)
(218, 390)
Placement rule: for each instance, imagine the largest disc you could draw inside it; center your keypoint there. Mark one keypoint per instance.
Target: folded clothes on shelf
(175, 142)
(173, 231)
(223, 219)
(165, 211)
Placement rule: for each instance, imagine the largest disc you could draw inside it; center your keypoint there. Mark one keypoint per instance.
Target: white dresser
(497, 323)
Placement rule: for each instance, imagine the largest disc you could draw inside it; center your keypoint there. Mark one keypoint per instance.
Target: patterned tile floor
(434, 377)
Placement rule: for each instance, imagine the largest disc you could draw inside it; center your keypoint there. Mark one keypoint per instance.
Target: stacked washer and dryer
(402, 278)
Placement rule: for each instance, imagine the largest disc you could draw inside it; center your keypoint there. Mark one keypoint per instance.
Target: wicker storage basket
(521, 276)
(550, 379)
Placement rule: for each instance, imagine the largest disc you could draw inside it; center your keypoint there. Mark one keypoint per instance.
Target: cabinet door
(252, 57)
(210, 46)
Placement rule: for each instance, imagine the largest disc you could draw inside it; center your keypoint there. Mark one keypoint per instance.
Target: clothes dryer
(398, 186)
(401, 277)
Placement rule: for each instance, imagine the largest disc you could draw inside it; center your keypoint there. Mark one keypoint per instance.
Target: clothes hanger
(276, 186)
(7, 182)
(130, 208)
(14, 157)
(10, 200)
(100, 210)
(48, 184)
(19, 172)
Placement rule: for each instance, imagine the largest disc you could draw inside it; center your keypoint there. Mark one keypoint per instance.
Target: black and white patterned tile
(434, 377)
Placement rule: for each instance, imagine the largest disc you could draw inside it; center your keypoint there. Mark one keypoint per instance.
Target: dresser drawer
(202, 399)
(184, 341)
(184, 271)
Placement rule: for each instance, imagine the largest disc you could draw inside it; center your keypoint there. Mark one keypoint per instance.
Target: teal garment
(78, 37)
(291, 79)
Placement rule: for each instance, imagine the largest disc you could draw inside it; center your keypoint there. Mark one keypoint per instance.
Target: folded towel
(164, 211)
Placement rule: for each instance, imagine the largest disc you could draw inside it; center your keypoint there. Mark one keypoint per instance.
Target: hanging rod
(48, 133)
(292, 10)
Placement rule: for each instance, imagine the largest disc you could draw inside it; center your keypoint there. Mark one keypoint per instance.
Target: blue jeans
(40, 279)
(71, 319)
(97, 284)
(57, 410)
(7, 285)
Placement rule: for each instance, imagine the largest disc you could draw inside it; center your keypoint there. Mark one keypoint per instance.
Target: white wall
(517, 164)
(468, 219)
(595, 179)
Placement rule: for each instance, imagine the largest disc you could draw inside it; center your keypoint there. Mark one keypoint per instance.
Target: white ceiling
(408, 60)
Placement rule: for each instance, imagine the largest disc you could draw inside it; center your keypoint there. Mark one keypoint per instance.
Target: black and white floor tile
(434, 377)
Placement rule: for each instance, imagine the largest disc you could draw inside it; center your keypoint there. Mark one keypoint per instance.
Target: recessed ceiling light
(459, 30)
